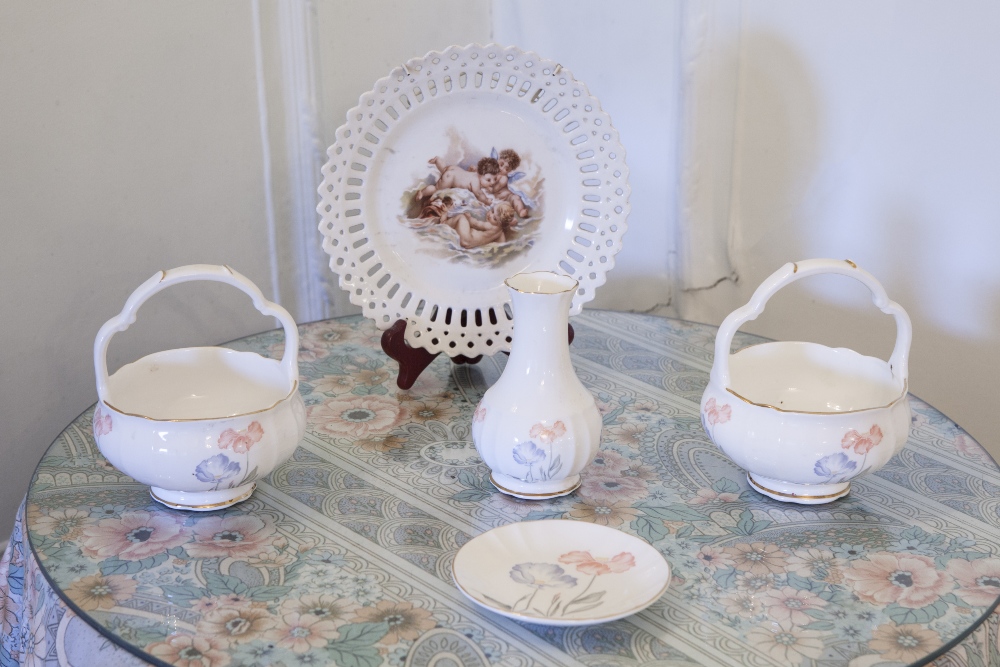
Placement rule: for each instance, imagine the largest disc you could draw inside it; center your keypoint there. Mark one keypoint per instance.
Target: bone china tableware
(415, 236)
(560, 572)
(360, 529)
(198, 425)
(804, 419)
(538, 426)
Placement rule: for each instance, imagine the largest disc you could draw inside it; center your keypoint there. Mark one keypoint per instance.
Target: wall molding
(288, 81)
(299, 57)
(710, 52)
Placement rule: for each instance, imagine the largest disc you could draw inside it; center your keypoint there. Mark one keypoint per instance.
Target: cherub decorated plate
(560, 572)
(459, 170)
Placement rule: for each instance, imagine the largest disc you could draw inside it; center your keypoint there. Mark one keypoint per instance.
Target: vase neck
(540, 330)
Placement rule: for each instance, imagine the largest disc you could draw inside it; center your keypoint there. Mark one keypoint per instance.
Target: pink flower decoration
(547, 435)
(909, 580)
(241, 441)
(234, 536)
(717, 414)
(311, 350)
(480, 413)
(102, 423)
(978, 580)
(133, 536)
(358, 416)
(608, 462)
(862, 444)
(589, 565)
(714, 558)
(610, 488)
(971, 449)
(792, 605)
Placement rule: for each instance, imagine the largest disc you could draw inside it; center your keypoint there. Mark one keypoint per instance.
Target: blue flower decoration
(528, 453)
(849, 551)
(216, 469)
(542, 575)
(107, 511)
(834, 464)
(912, 547)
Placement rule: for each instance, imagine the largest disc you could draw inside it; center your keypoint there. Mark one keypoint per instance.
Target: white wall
(359, 43)
(136, 137)
(862, 131)
(129, 142)
(627, 53)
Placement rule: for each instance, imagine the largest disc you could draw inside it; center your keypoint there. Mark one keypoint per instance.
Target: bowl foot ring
(570, 485)
(239, 495)
(802, 494)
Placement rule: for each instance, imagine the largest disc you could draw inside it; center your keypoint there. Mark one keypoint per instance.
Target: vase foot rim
(571, 485)
(240, 494)
(799, 493)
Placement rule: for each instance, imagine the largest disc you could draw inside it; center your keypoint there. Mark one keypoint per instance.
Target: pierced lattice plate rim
(430, 241)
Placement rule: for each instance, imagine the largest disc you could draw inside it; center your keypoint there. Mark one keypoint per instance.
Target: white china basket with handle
(804, 419)
(198, 425)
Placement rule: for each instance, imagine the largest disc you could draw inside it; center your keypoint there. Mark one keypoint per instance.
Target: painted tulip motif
(839, 467)
(862, 443)
(529, 454)
(216, 470)
(102, 423)
(480, 414)
(714, 414)
(588, 564)
(220, 468)
(241, 441)
(547, 434)
(835, 466)
(717, 414)
(541, 576)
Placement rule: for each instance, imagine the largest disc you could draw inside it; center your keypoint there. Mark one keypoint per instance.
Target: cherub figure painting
(479, 182)
(507, 161)
(473, 232)
(469, 209)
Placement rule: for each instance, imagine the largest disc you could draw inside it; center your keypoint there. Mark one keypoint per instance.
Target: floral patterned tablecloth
(343, 555)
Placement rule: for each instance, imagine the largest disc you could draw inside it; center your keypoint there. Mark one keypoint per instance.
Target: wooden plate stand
(413, 360)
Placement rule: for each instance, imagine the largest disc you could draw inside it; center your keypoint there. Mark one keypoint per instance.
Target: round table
(343, 554)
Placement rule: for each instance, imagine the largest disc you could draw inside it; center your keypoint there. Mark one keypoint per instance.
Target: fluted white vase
(538, 426)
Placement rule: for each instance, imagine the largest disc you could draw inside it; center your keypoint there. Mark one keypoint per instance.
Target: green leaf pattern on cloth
(343, 554)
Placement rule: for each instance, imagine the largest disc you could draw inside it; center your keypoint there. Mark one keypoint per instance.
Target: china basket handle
(183, 274)
(788, 274)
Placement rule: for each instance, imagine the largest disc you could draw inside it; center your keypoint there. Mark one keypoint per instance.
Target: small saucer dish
(560, 573)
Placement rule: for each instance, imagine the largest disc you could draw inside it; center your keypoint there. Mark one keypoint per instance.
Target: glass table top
(343, 554)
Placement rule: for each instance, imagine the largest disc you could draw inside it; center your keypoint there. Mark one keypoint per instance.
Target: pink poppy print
(102, 422)
(134, 535)
(978, 580)
(911, 580)
(862, 443)
(789, 604)
(547, 434)
(241, 441)
(600, 565)
(717, 414)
